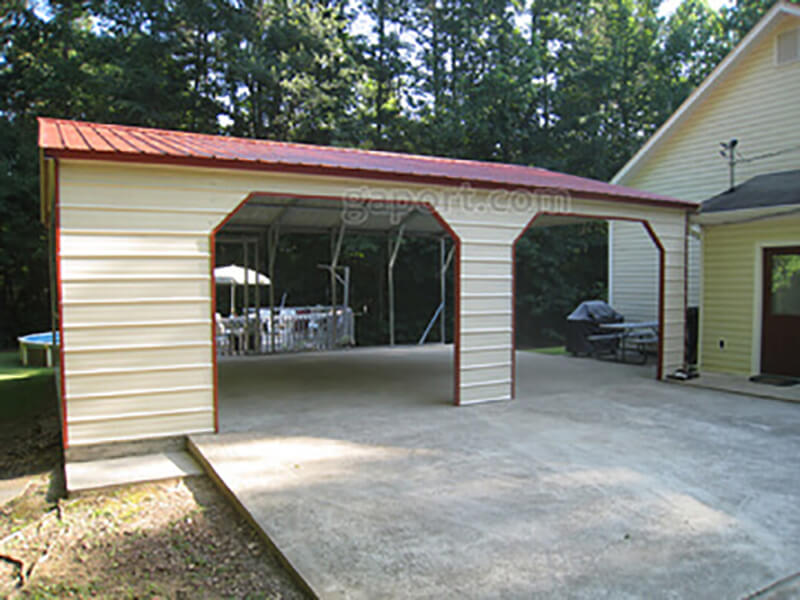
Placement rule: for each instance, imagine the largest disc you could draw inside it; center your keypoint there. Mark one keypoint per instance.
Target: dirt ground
(172, 539)
(30, 427)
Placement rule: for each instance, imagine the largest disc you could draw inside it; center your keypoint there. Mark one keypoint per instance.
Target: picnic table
(633, 336)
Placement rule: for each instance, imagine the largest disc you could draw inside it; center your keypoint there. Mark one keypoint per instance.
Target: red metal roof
(76, 139)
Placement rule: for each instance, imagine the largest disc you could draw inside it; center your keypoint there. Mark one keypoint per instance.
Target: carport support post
(394, 246)
(257, 249)
(442, 286)
(246, 299)
(336, 249)
(273, 236)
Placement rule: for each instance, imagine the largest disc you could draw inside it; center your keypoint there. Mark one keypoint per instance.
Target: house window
(788, 47)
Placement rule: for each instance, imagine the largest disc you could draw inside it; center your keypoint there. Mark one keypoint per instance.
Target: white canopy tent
(233, 275)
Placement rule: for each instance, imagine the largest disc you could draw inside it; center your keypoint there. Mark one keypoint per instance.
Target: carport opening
(321, 301)
(561, 261)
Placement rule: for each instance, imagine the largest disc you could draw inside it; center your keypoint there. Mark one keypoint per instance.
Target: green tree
(290, 71)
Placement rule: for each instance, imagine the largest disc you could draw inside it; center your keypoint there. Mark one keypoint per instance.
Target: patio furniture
(633, 337)
(223, 333)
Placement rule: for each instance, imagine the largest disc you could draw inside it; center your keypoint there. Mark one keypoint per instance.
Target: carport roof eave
(577, 187)
(217, 163)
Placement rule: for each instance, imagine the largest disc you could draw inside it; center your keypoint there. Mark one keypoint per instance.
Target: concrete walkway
(739, 384)
(597, 482)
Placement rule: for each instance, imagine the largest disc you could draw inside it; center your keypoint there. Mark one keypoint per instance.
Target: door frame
(758, 298)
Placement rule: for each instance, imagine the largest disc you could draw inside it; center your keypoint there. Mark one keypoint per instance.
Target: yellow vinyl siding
(732, 290)
(757, 103)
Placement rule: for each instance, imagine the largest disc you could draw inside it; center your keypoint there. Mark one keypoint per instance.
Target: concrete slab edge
(110, 487)
(111, 450)
(182, 471)
(727, 390)
(295, 573)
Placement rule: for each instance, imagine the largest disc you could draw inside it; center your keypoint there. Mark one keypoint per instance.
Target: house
(753, 97)
(751, 277)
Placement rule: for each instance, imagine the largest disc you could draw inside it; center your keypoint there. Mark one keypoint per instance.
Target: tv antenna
(729, 151)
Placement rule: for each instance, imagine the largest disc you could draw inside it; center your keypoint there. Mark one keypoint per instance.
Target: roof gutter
(744, 215)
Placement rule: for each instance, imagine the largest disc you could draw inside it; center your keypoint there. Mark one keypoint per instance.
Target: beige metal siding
(136, 306)
(757, 103)
(135, 261)
(732, 291)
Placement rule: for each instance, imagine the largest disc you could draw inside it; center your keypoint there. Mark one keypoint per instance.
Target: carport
(134, 213)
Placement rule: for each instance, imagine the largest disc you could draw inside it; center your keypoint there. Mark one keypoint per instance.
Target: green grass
(23, 390)
(553, 350)
(11, 368)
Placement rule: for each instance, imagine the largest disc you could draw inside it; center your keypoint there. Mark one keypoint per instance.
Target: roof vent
(788, 49)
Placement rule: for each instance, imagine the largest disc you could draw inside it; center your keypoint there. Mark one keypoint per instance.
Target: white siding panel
(634, 285)
(133, 245)
(494, 251)
(489, 302)
(499, 321)
(119, 266)
(110, 220)
(135, 289)
(491, 284)
(136, 197)
(82, 383)
(161, 425)
(109, 407)
(163, 333)
(122, 357)
(481, 339)
(486, 393)
(479, 377)
(476, 360)
(108, 312)
(482, 267)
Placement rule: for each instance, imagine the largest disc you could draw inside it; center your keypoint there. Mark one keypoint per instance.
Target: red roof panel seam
(83, 137)
(164, 141)
(60, 136)
(142, 139)
(99, 134)
(188, 148)
(214, 147)
(111, 134)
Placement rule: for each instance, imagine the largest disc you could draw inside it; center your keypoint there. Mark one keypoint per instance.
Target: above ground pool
(36, 349)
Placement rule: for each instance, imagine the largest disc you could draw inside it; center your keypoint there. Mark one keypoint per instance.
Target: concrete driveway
(597, 482)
